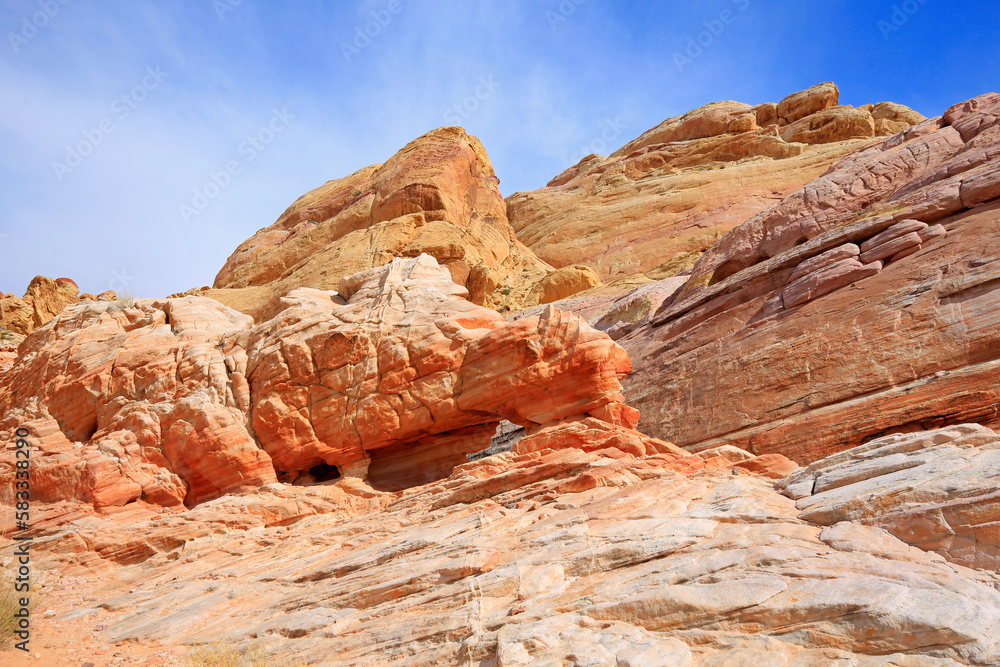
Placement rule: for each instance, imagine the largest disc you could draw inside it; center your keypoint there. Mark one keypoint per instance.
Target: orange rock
(128, 404)
(44, 299)
(657, 204)
(400, 368)
(807, 102)
(563, 283)
(438, 195)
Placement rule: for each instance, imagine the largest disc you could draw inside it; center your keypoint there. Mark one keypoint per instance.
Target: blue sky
(141, 142)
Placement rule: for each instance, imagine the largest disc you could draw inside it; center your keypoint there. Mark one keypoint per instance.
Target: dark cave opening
(324, 472)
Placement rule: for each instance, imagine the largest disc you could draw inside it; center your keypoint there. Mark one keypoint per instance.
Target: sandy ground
(78, 641)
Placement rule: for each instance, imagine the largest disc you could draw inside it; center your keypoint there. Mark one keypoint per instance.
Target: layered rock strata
(438, 195)
(44, 299)
(863, 303)
(655, 205)
(534, 557)
(400, 368)
(934, 489)
(392, 380)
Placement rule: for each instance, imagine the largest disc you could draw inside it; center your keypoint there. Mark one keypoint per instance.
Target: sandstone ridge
(861, 304)
(393, 380)
(438, 195)
(657, 204)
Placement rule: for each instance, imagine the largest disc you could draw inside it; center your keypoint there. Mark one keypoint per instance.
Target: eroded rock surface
(524, 558)
(935, 490)
(400, 362)
(862, 303)
(132, 403)
(392, 380)
(655, 205)
(438, 195)
(44, 299)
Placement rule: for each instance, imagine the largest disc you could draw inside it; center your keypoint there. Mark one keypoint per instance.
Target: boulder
(807, 102)
(564, 283)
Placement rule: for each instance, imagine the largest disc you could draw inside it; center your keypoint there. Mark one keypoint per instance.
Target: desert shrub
(125, 300)
(219, 654)
(9, 598)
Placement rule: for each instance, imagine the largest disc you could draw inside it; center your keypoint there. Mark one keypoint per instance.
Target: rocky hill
(727, 397)
(657, 204)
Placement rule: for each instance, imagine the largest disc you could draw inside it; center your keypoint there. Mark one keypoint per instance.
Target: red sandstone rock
(833, 124)
(897, 230)
(133, 403)
(655, 205)
(828, 279)
(401, 365)
(890, 248)
(807, 102)
(824, 259)
(724, 362)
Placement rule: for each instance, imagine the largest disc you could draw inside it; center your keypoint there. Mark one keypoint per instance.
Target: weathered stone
(897, 230)
(892, 247)
(829, 125)
(44, 299)
(824, 259)
(399, 364)
(673, 192)
(807, 102)
(563, 283)
(438, 195)
(934, 490)
(730, 358)
(830, 278)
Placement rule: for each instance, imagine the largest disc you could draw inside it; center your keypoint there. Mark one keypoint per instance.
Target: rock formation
(438, 195)
(527, 557)
(655, 205)
(392, 380)
(862, 304)
(403, 376)
(381, 469)
(132, 403)
(44, 299)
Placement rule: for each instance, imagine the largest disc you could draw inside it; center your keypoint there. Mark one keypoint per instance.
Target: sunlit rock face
(437, 195)
(863, 303)
(393, 380)
(654, 206)
(125, 404)
(400, 371)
